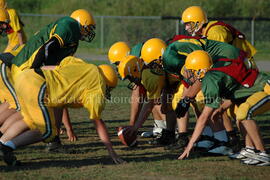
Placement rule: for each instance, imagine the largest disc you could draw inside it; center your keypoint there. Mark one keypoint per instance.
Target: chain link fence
(134, 29)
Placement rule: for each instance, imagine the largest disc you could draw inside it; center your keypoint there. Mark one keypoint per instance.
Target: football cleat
(258, 159)
(165, 138)
(6, 153)
(156, 131)
(181, 142)
(244, 153)
(54, 145)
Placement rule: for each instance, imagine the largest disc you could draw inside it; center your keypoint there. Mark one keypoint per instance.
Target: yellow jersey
(153, 84)
(76, 83)
(223, 34)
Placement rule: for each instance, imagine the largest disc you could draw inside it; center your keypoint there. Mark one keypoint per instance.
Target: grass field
(88, 159)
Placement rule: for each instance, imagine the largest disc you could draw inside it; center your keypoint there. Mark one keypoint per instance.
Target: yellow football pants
(31, 91)
(7, 92)
(257, 103)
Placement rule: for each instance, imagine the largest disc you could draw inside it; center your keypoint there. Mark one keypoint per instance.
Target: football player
(117, 52)
(88, 87)
(137, 70)
(196, 24)
(53, 43)
(17, 37)
(218, 83)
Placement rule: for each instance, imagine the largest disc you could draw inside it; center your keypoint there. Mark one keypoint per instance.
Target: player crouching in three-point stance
(88, 87)
(218, 84)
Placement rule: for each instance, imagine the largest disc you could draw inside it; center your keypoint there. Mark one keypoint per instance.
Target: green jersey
(136, 50)
(175, 54)
(217, 85)
(67, 32)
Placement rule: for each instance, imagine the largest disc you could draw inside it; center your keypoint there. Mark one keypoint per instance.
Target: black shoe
(6, 153)
(234, 141)
(54, 145)
(165, 138)
(180, 143)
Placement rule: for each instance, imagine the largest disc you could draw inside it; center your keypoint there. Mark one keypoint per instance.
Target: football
(125, 138)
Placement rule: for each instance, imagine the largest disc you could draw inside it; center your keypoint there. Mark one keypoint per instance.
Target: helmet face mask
(5, 29)
(156, 66)
(192, 28)
(197, 64)
(194, 18)
(191, 76)
(88, 33)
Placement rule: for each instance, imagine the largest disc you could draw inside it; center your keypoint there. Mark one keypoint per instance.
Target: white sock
(10, 144)
(250, 147)
(160, 124)
(207, 131)
(221, 136)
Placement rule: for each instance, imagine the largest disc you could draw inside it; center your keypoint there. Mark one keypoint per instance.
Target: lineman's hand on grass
(116, 159)
(71, 136)
(186, 153)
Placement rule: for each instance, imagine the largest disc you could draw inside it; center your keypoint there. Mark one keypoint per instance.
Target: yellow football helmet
(87, 24)
(130, 66)
(109, 75)
(3, 4)
(4, 17)
(198, 63)
(152, 50)
(118, 51)
(196, 16)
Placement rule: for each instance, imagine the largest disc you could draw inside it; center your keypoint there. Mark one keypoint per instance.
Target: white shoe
(243, 154)
(147, 134)
(156, 131)
(259, 159)
(223, 150)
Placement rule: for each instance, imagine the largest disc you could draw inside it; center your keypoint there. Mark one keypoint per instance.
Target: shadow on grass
(103, 160)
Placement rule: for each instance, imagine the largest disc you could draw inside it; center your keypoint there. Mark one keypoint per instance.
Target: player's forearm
(66, 120)
(193, 90)
(145, 111)
(103, 133)
(200, 124)
(135, 106)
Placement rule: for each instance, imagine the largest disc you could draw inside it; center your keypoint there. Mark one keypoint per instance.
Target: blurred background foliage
(112, 29)
(214, 8)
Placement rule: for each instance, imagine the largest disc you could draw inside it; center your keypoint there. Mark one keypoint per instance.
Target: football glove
(182, 107)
